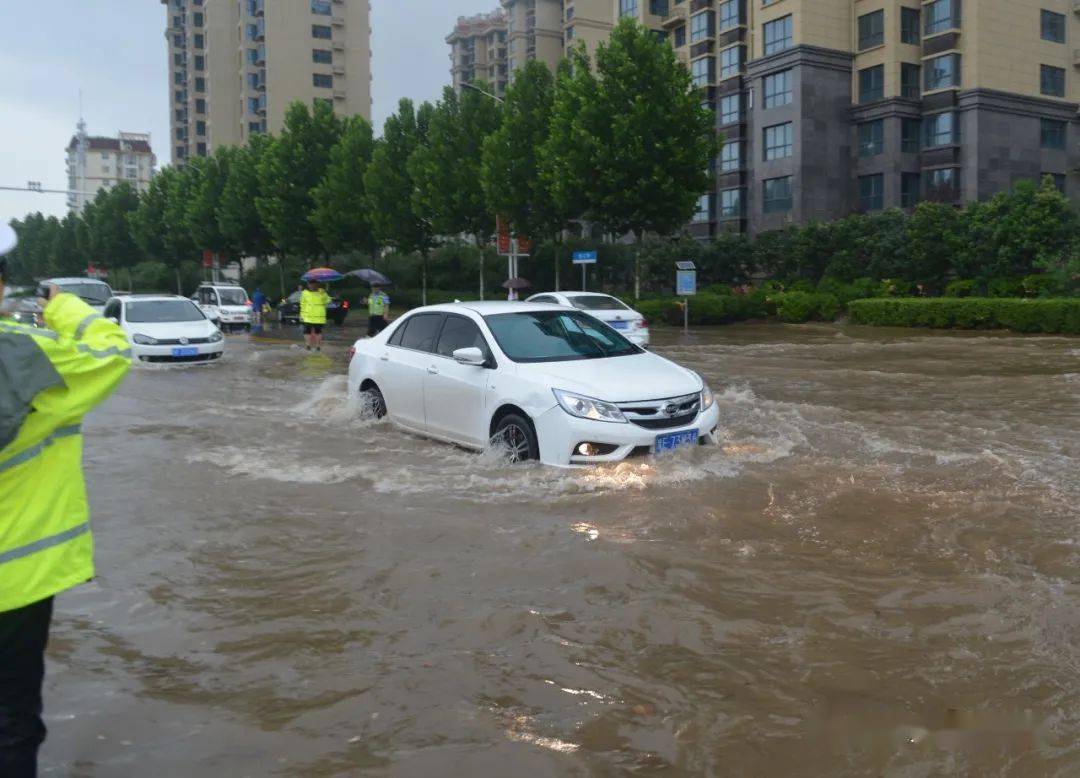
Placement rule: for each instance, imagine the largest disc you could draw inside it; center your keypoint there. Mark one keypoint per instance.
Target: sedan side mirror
(470, 356)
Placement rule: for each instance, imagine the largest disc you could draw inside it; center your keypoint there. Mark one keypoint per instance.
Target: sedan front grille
(188, 342)
(663, 414)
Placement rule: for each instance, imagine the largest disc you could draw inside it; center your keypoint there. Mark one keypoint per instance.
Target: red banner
(502, 230)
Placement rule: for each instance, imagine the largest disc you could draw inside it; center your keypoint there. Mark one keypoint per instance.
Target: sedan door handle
(385, 358)
(433, 370)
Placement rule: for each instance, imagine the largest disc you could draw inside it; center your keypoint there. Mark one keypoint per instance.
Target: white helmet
(8, 239)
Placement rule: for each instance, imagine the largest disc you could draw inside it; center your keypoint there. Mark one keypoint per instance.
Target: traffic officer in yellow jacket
(313, 302)
(49, 379)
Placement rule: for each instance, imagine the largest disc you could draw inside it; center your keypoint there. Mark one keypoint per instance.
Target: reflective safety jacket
(49, 379)
(377, 304)
(313, 306)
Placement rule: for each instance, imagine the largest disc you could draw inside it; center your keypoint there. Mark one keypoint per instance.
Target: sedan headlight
(216, 337)
(707, 398)
(144, 340)
(588, 408)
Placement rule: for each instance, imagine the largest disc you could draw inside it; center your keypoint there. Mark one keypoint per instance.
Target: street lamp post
(467, 85)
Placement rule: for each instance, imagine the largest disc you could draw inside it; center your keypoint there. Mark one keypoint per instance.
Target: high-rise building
(833, 107)
(535, 30)
(237, 65)
(478, 51)
(588, 22)
(95, 163)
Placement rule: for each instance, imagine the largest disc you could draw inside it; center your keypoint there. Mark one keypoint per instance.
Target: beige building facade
(478, 52)
(95, 163)
(237, 65)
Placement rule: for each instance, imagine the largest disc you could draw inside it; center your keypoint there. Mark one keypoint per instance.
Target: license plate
(674, 440)
(185, 352)
(621, 325)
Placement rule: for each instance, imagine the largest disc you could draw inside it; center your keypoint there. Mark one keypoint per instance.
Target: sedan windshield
(163, 311)
(95, 294)
(597, 302)
(232, 296)
(556, 336)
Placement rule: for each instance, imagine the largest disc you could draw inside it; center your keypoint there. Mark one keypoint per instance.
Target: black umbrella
(517, 283)
(372, 277)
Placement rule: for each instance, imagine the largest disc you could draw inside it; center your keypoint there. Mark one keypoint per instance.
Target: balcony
(1076, 56)
(677, 16)
(339, 94)
(338, 70)
(337, 21)
(337, 45)
(699, 5)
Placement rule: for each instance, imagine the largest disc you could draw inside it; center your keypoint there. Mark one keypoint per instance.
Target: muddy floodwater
(876, 573)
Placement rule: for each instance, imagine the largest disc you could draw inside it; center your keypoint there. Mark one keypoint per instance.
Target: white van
(226, 304)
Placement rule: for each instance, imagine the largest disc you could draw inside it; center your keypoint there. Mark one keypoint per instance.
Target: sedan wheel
(515, 434)
(374, 404)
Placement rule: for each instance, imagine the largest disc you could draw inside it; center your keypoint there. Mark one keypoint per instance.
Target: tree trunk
(637, 268)
(423, 277)
(557, 245)
(179, 283)
(480, 248)
(281, 276)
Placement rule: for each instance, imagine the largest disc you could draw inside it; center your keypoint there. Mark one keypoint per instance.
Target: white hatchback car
(545, 381)
(608, 309)
(166, 328)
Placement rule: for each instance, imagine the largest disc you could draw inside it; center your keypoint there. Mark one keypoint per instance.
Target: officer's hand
(52, 290)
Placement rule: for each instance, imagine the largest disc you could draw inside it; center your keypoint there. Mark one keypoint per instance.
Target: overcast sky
(114, 51)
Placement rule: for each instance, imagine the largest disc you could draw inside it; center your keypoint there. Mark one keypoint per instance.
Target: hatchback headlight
(707, 398)
(588, 408)
(216, 337)
(144, 340)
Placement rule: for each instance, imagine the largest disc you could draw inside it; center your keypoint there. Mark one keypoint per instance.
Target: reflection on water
(875, 572)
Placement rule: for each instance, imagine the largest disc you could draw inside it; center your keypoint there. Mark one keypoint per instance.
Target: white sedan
(543, 381)
(166, 328)
(608, 309)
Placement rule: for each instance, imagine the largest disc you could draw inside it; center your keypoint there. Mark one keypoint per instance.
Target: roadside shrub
(961, 288)
(845, 292)
(895, 287)
(1019, 315)
(1041, 285)
(798, 307)
(1005, 287)
(704, 309)
(719, 290)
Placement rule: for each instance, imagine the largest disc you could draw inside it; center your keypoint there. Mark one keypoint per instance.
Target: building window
(322, 80)
(702, 71)
(1058, 179)
(778, 35)
(253, 105)
(200, 62)
(200, 128)
(200, 40)
(200, 149)
(910, 132)
(778, 141)
(320, 7)
(731, 203)
(942, 129)
(942, 184)
(910, 78)
(776, 195)
(1053, 26)
(200, 84)
(701, 26)
(178, 77)
(178, 59)
(731, 156)
(777, 89)
(941, 16)
(570, 33)
(254, 127)
(252, 32)
(871, 138)
(253, 80)
(703, 212)
(942, 72)
(628, 8)
(909, 189)
(322, 56)
(909, 25)
(871, 30)
(680, 36)
(200, 105)
(871, 84)
(872, 192)
(731, 61)
(1051, 134)
(321, 31)
(1051, 81)
(730, 109)
(730, 14)
(197, 19)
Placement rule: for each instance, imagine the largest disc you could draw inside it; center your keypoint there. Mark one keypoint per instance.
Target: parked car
(547, 382)
(289, 310)
(166, 328)
(610, 310)
(20, 305)
(93, 292)
(226, 304)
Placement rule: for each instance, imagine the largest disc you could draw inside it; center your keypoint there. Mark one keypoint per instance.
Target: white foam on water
(264, 465)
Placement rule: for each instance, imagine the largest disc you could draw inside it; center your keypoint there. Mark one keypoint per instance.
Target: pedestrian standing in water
(258, 300)
(378, 303)
(313, 302)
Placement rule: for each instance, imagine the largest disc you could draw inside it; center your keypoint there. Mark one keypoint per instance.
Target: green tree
(446, 168)
(936, 243)
(111, 242)
(511, 172)
(646, 138)
(209, 176)
(237, 215)
(67, 256)
(390, 186)
(341, 216)
(291, 166)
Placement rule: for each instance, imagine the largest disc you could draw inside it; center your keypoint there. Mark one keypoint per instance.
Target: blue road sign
(685, 282)
(585, 257)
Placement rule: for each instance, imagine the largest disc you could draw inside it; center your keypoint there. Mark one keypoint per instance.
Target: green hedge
(705, 309)
(1044, 315)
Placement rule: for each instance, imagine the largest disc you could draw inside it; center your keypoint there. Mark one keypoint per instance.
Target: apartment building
(478, 51)
(831, 107)
(97, 162)
(237, 65)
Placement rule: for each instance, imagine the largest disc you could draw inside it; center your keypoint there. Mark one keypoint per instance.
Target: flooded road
(876, 574)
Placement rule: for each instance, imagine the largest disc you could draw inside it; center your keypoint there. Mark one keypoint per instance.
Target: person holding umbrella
(313, 302)
(378, 303)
